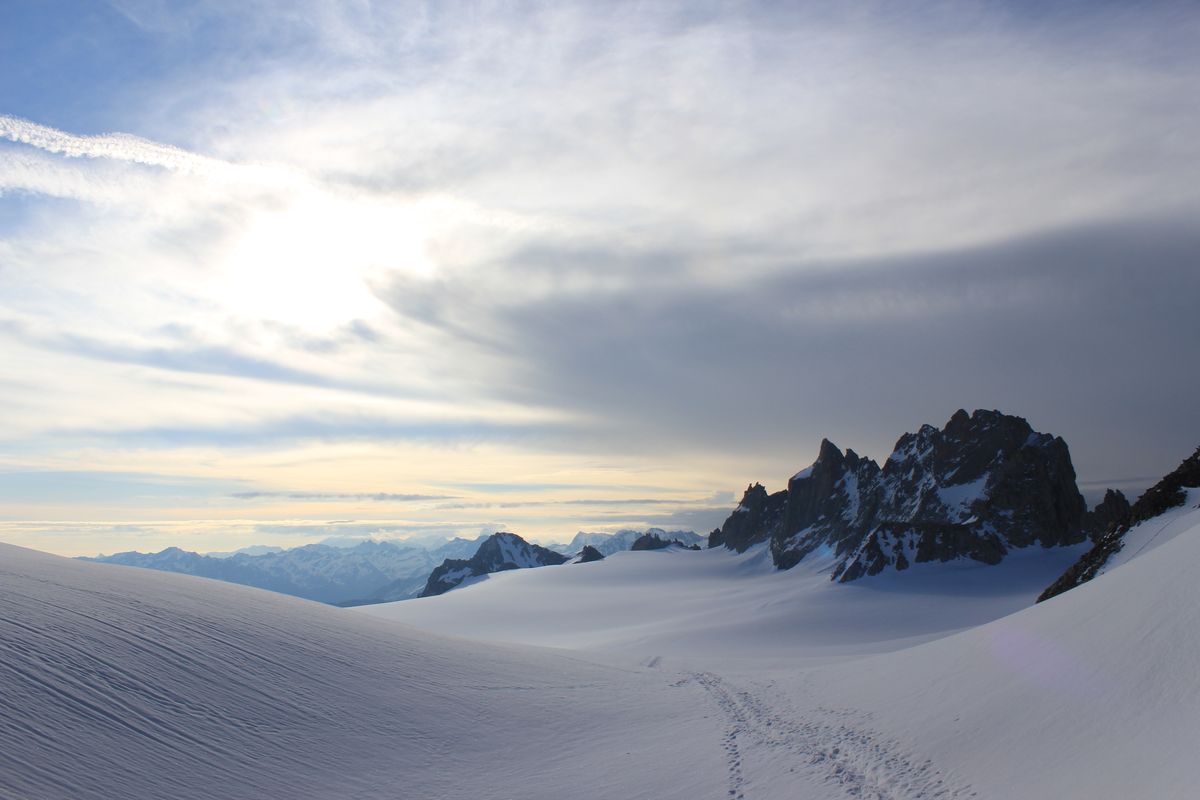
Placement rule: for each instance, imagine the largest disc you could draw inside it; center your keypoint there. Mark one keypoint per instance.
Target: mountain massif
(977, 488)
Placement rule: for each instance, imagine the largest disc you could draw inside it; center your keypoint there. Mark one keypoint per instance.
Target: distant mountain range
(322, 572)
(341, 572)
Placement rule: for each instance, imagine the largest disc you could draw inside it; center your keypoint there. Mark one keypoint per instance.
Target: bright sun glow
(311, 262)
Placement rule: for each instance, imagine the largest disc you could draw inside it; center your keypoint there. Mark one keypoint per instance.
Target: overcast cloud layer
(276, 270)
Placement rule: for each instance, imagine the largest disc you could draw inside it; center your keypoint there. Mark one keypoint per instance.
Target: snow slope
(716, 603)
(117, 682)
(1089, 695)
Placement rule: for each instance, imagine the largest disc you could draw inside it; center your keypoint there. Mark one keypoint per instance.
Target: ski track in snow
(863, 763)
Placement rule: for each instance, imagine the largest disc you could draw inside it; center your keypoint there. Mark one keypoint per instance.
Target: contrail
(116, 146)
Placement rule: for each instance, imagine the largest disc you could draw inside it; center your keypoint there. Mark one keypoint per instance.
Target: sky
(277, 271)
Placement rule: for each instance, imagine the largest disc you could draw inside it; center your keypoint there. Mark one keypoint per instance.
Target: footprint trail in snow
(863, 763)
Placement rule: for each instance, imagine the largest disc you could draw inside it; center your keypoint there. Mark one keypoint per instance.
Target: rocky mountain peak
(829, 456)
(982, 484)
(754, 518)
(1110, 513)
(498, 552)
(589, 554)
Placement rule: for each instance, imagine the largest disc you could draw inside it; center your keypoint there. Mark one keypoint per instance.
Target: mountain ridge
(499, 552)
(1167, 494)
(984, 484)
(322, 572)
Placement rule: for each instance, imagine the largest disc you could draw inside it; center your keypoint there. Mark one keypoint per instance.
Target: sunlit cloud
(458, 243)
(114, 146)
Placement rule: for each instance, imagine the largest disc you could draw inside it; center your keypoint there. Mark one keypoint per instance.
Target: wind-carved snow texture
(839, 749)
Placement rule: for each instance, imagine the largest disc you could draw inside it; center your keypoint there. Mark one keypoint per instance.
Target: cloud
(56, 487)
(701, 520)
(655, 234)
(378, 497)
(113, 146)
(266, 431)
(214, 360)
(1080, 329)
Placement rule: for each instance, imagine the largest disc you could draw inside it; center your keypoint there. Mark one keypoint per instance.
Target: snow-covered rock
(589, 554)
(981, 486)
(499, 552)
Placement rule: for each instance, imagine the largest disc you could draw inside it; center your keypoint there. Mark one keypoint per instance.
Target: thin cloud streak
(377, 497)
(114, 146)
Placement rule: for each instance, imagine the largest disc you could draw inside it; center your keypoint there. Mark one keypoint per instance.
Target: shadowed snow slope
(720, 604)
(122, 682)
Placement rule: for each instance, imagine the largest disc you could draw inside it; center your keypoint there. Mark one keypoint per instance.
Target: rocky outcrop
(983, 484)
(650, 541)
(756, 518)
(609, 543)
(1163, 496)
(1111, 512)
(589, 554)
(499, 552)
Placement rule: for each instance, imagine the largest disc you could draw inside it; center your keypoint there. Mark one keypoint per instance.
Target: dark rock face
(499, 552)
(1162, 496)
(589, 554)
(984, 483)
(754, 520)
(650, 541)
(609, 543)
(1111, 512)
